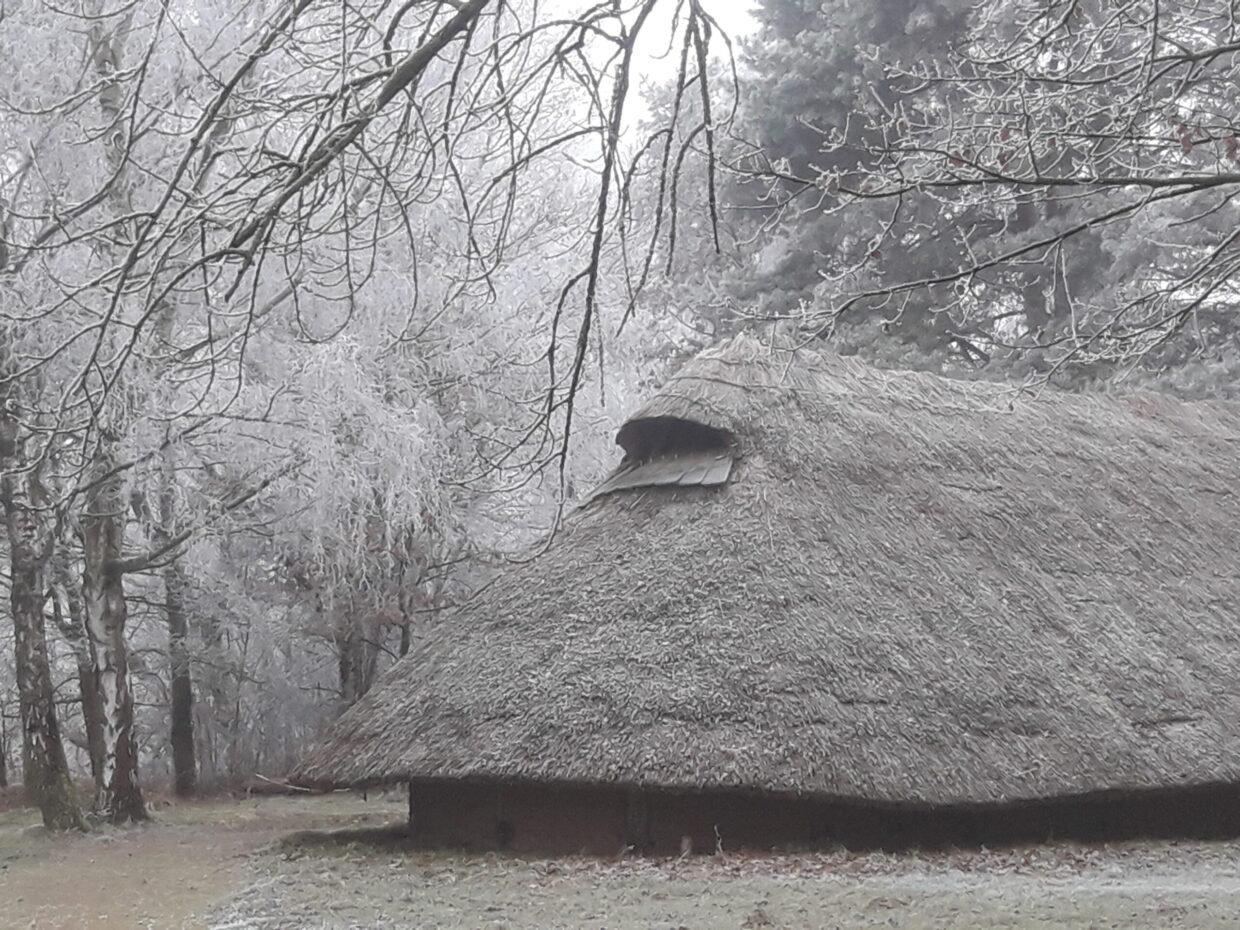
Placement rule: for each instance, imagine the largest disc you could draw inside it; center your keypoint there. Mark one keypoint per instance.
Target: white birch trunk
(103, 594)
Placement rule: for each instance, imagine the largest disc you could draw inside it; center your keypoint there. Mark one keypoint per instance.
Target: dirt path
(154, 877)
(167, 875)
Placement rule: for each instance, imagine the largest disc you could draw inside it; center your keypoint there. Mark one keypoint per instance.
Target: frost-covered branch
(1075, 161)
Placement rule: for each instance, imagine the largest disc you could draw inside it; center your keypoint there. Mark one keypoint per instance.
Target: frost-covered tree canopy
(311, 317)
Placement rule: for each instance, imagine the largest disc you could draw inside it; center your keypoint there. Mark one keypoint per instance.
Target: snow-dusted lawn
(312, 881)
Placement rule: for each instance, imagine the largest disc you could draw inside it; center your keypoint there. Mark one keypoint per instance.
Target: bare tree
(255, 167)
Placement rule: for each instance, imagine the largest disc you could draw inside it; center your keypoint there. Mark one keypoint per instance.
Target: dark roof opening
(652, 437)
(670, 451)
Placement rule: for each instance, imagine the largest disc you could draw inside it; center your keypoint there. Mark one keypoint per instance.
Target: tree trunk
(45, 771)
(103, 590)
(71, 623)
(184, 762)
(92, 712)
(358, 661)
(212, 731)
(181, 716)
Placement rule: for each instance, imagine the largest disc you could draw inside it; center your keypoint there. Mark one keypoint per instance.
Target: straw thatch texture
(911, 590)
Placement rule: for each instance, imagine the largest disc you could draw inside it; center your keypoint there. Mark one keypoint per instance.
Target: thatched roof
(910, 589)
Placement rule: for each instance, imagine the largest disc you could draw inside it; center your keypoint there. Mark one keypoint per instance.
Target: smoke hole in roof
(670, 451)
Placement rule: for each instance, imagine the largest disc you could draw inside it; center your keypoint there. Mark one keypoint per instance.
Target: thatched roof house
(818, 584)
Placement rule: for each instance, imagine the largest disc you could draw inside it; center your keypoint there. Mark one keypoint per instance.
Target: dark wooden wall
(567, 819)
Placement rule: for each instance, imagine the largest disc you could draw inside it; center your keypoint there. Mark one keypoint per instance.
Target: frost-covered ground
(311, 883)
(244, 865)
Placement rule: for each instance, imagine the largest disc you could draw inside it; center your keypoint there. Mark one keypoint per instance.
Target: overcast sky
(735, 17)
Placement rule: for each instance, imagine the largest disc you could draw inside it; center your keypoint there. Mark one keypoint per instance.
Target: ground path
(170, 874)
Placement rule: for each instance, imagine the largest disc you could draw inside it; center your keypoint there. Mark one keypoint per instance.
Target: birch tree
(28, 462)
(45, 771)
